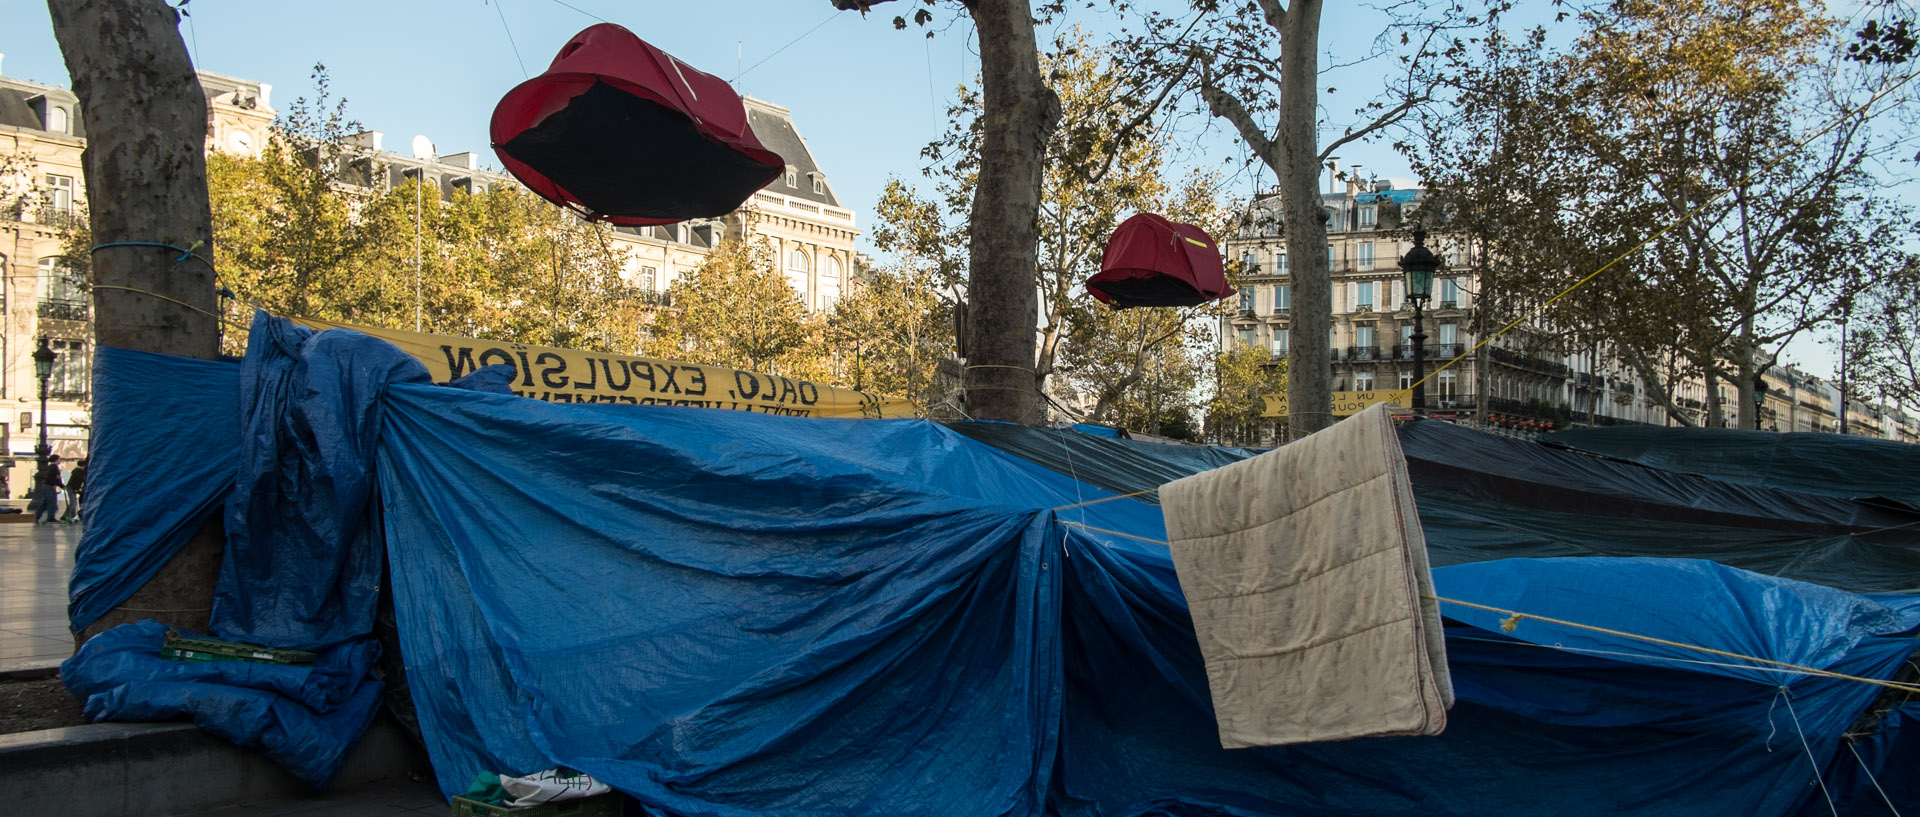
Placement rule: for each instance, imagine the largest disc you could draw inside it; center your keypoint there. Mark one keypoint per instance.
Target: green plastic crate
(181, 648)
(599, 805)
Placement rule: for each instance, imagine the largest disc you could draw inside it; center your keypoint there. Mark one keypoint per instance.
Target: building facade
(1523, 379)
(42, 196)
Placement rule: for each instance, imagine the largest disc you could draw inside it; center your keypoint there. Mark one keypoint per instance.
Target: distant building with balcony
(1524, 379)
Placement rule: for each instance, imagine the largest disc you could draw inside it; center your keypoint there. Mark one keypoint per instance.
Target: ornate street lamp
(1419, 264)
(43, 369)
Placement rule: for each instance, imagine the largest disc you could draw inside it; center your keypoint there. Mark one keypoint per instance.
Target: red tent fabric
(625, 133)
(1151, 261)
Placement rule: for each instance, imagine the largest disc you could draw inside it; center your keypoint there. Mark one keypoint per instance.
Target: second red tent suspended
(626, 133)
(1151, 261)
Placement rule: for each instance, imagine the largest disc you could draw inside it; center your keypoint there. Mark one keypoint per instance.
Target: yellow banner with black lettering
(573, 376)
(1345, 403)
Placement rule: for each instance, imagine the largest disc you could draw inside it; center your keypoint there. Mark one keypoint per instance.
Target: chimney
(1333, 174)
(465, 161)
(369, 139)
(3, 58)
(266, 95)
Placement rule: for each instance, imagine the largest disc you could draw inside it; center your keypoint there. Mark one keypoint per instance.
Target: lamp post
(1419, 264)
(43, 369)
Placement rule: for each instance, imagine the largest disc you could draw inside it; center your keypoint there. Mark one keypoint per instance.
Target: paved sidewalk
(376, 800)
(35, 561)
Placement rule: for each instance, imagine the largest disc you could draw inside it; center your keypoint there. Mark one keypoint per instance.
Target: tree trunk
(146, 171)
(1020, 114)
(1310, 386)
(146, 174)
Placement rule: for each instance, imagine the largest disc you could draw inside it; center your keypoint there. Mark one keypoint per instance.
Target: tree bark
(1293, 155)
(1020, 114)
(146, 174)
(1310, 384)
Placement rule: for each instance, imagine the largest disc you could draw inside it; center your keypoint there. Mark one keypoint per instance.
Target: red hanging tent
(1151, 261)
(625, 133)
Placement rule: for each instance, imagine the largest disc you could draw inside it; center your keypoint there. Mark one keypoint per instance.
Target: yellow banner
(1345, 403)
(573, 376)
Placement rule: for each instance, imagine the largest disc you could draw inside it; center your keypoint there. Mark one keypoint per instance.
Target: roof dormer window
(793, 176)
(57, 120)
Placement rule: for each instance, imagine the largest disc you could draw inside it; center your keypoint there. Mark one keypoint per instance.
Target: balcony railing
(654, 298)
(1363, 353)
(61, 309)
(1433, 351)
(63, 218)
(1449, 305)
(1523, 361)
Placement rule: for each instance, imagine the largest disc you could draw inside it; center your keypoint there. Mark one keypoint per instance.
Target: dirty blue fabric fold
(304, 717)
(162, 462)
(797, 617)
(302, 566)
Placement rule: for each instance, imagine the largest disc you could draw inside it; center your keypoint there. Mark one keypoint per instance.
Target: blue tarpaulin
(724, 613)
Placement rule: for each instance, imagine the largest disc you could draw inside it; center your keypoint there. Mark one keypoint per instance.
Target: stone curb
(30, 670)
(158, 769)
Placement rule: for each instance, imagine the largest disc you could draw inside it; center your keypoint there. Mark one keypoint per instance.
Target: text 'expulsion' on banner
(574, 376)
(1345, 403)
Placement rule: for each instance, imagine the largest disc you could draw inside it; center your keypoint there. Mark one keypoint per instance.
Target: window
(1246, 338)
(1406, 379)
(1282, 299)
(1363, 336)
(1449, 334)
(1280, 263)
(793, 177)
(1364, 257)
(1447, 382)
(72, 366)
(647, 279)
(1280, 342)
(1406, 334)
(1329, 256)
(1363, 381)
(1363, 295)
(831, 279)
(819, 185)
(797, 268)
(1367, 215)
(1251, 261)
(60, 193)
(59, 283)
(1449, 293)
(57, 120)
(1246, 300)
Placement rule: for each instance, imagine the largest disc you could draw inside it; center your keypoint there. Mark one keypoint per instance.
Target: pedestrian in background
(46, 491)
(76, 488)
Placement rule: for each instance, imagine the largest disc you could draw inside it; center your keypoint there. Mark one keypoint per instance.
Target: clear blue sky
(866, 97)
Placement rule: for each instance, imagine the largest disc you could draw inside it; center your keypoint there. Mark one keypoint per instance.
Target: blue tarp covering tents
(726, 613)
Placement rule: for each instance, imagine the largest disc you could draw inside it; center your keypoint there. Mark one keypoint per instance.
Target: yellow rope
(1684, 218)
(1514, 617)
(172, 300)
(1116, 534)
(1107, 499)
